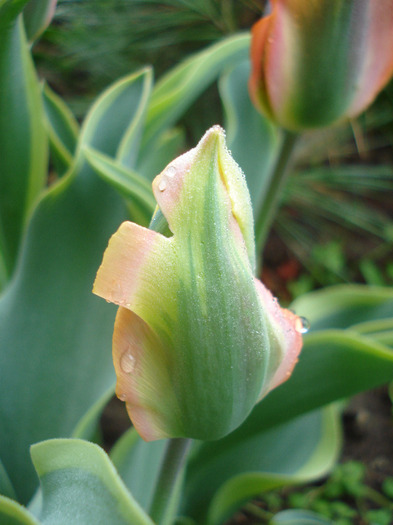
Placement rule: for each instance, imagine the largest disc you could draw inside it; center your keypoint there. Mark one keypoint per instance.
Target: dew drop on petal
(162, 184)
(127, 362)
(302, 325)
(122, 396)
(170, 171)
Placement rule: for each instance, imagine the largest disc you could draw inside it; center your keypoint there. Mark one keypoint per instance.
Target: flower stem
(272, 196)
(171, 467)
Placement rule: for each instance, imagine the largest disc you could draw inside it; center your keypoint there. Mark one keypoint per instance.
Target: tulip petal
(141, 363)
(129, 276)
(285, 337)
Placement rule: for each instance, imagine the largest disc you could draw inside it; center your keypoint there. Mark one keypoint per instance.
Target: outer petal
(142, 365)
(130, 273)
(285, 338)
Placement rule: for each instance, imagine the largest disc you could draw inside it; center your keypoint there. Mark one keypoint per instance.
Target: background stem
(272, 196)
(170, 469)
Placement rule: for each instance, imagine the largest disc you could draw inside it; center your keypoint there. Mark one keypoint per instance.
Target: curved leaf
(37, 16)
(175, 92)
(80, 486)
(342, 306)
(137, 191)
(322, 457)
(23, 142)
(62, 128)
(11, 513)
(138, 464)
(303, 449)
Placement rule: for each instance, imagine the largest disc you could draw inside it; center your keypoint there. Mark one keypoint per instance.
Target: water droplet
(302, 325)
(162, 184)
(170, 171)
(127, 362)
(122, 396)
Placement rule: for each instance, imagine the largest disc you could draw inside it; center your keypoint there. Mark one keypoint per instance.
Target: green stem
(170, 469)
(272, 196)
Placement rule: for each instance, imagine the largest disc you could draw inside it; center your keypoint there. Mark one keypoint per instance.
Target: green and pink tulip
(198, 340)
(315, 62)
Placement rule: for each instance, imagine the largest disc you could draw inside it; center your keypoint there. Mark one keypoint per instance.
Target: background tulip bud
(315, 62)
(197, 339)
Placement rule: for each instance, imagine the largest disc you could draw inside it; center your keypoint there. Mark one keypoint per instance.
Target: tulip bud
(197, 339)
(316, 62)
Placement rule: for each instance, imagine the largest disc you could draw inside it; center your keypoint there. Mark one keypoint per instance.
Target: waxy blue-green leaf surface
(80, 486)
(57, 334)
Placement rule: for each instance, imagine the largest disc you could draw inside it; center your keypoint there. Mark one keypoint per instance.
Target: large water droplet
(302, 325)
(122, 396)
(162, 184)
(127, 362)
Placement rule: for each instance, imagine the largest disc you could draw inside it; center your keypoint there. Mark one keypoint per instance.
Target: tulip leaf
(138, 464)
(344, 305)
(262, 462)
(169, 145)
(58, 335)
(88, 426)
(37, 16)
(176, 91)
(299, 517)
(23, 143)
(252, 139)
(136, 189)
(63, 130)
(11, 513)
(128, 148)
(81, 486)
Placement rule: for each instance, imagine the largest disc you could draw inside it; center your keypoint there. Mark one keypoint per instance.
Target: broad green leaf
(138, 464)
(23, 142)
(37, 16)
(301, 450)
(136, 189)
(252, 139)
(11, 513)
(62, 129)
(55, 335)
(344, 305)
(176, 91)
(81, 486)
(299, 517)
